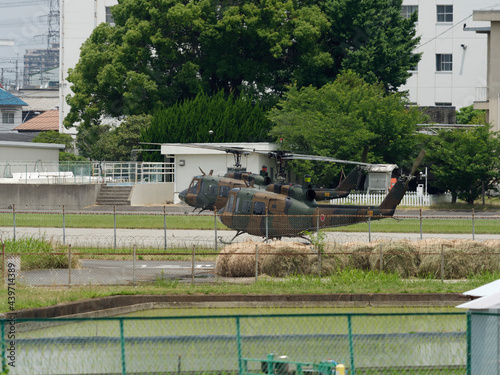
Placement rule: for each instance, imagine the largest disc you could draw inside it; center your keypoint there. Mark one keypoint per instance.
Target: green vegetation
(206, 222)
(344, 120)
(464, 161)
(39, 253)
(230, 119)
(347, 281)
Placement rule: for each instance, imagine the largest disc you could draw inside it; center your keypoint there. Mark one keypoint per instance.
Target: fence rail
(85, 172)
(410, 199)
(420, 343)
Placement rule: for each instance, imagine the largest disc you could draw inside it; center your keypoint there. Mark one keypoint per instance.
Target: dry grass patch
(462, 258)
(400, 257)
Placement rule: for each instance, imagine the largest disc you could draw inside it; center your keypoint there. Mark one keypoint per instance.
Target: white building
(78, 20)
(453, 68)
(189, 161)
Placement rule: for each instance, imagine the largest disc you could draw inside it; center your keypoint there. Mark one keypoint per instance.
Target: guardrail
(85, 172)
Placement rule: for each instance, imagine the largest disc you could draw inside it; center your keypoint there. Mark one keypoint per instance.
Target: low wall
(48, 196)
(152, 194)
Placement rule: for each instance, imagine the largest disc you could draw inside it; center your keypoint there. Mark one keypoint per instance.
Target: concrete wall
(152, 194)
(41, 196)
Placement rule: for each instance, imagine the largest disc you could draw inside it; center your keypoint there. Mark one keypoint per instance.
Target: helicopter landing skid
(232, 239)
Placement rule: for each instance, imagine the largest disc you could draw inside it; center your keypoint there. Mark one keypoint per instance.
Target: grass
(347, 281)
(204, 222)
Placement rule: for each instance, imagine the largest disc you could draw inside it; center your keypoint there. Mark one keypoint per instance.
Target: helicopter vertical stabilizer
(398, 191)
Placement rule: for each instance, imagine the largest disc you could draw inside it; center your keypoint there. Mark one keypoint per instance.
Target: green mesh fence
(410, 343)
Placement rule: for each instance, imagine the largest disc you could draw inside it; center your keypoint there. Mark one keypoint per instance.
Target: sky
(26, 23)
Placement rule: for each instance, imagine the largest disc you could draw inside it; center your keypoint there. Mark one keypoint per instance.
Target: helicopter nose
(182, 195)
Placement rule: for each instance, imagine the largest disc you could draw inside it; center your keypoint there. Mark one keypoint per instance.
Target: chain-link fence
(410, 343)
(82, 248)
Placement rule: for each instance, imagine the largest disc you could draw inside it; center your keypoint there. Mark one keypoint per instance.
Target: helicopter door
(278, 219)
(193, 190)
(257, 222)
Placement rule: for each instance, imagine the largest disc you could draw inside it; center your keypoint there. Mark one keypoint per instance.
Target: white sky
(25, 22)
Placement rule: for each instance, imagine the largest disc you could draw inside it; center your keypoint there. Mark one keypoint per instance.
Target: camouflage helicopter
(272, 215)
(211, 192)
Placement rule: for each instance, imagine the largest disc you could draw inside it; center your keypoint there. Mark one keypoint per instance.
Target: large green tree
(464, 161)
(343, 120)
(160, 52)
(209, 119)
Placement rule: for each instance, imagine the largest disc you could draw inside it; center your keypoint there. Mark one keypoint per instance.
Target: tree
(105, 142)
(344, 119)
(162, 52)
(464, 161)
(53, 136)
(229, 120)
(469, 115)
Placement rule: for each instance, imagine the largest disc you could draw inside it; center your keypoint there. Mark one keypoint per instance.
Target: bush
(40, 253)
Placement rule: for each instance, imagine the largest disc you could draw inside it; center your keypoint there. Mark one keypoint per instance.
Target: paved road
(120, 272)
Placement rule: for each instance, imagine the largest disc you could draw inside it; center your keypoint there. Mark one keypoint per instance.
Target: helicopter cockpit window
(193, 188)
(259, 208)
(246, 207)
(212, 189)
(224, 191)
(229, 207)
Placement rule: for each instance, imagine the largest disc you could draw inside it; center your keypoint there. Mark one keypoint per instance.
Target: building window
(7, 118)
(442, 104)
(444, 62)
(445, 13)
(109, 17)
(408, 10)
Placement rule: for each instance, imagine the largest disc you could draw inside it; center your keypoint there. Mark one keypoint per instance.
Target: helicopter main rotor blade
(322, 158)
(417, 162)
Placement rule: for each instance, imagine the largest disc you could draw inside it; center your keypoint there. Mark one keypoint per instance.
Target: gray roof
(18, 137)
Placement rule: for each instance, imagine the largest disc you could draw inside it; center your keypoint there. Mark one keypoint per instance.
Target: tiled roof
(48, 120)
(6, 98)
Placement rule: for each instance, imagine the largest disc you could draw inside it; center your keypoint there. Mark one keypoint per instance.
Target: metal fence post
(381, 259)
(192, 265)
(165, 228)
(69, 264)
(14, 218)
(238, 343)
(114, 226)
(421, 224)
(133, 266)
(442, 263)
(3, 263)
(267, 225)
(215, 229)
(351, 346)
(64, 226)
(122, 342)
(256, 262)
(369, 229)
(473, 226)
(4, 354)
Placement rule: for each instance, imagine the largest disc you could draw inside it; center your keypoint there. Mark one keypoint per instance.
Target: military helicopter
(272, 215)
(211, 192)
